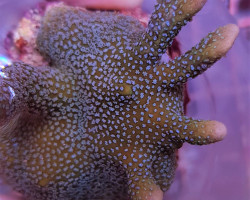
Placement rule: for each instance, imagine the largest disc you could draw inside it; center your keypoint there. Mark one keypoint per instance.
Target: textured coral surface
(105, 119)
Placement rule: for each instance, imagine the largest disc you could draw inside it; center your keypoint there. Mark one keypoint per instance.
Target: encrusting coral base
(105, 119)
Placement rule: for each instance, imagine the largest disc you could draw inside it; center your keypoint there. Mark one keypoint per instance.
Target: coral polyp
(105, 119)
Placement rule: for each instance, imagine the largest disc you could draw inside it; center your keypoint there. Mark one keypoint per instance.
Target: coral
(105, 119)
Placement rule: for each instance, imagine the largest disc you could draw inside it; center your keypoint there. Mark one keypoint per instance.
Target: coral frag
(105, 119)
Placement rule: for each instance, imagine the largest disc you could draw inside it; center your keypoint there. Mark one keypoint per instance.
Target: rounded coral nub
(216, 130)
(224, 40)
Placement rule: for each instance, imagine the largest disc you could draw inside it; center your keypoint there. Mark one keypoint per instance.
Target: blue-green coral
(105, 119)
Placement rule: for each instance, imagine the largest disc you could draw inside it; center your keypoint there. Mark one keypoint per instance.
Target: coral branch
(165, 23)
(197, 131)
(199, 58)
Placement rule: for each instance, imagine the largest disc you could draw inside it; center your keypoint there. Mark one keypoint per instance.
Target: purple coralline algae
(105, 119)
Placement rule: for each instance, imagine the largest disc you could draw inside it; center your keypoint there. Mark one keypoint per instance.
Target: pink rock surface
(107, 4)
(10, 13)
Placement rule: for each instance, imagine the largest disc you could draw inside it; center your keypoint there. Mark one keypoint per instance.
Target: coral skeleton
(105, 119)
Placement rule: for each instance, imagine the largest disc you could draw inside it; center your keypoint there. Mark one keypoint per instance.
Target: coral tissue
(105, 119)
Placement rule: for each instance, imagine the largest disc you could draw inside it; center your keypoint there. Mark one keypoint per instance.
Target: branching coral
(105, 119)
